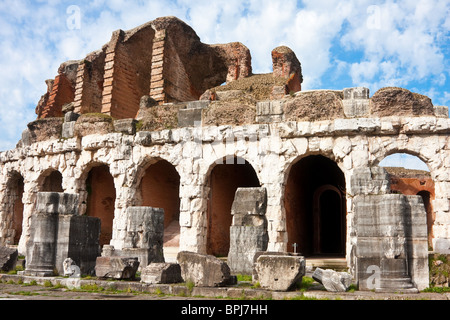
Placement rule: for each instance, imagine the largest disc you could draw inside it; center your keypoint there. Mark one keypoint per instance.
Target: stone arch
(99, 197)
(158, 186)
(410, 181)
(13, 207)
(223, 179)
(315, 206)
(51, 181)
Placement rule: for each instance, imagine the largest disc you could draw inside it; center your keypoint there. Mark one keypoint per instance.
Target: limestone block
(8, 258)
(280, 272)
(204, 270)
(145, 230)
(68, 130)
(143, 138)
(126, 126)
(441, 111)
(158, 273)
(118, 268)
(374, 180)
(442, 246)
(333, 281)
(71, 116)
(190, 117)
(60, 203)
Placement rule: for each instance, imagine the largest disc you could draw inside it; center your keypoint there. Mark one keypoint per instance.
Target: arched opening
(160, 188)
(15, 190)
(315, 205)
(101, 198)
(410, 176)
(53, 182)
(224, 180)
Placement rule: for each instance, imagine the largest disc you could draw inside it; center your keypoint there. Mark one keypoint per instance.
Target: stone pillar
(57, 233)
(42, 245)
(144, 236)
(248, 232)
(391, 250)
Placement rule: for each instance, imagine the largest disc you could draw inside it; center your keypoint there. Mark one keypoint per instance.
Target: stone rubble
(332, 280)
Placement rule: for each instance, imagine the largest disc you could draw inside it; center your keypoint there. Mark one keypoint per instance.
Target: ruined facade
(146, 121)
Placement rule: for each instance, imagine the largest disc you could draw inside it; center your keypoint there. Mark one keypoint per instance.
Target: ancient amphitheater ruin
(158, 119)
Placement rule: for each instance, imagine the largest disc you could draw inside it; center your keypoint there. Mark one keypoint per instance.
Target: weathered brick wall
(89, 84)
(127, 72)
(62, 92)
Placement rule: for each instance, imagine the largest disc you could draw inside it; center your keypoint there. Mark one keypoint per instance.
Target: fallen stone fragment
(71, 269)
(8, 258)
(333, 281)
(159, 273)
(204, 270)
(118, 268)
(280, 272)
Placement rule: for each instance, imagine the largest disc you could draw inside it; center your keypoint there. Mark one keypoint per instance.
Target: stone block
(125, 126)
(161, 273)
(441, 111)
(199, 104)
(55, 202)
(249, 202)
(280, 272)
(248, 233)
(356, 93)
(79, 239)
(442, 246)
(333, 281)
(143, 138)
(145, 229)
(189, 117)
(71, 116)
(118, 268)
(356, 108)
(68, 130)
(204, 270)
(8, 258)
(374, 180)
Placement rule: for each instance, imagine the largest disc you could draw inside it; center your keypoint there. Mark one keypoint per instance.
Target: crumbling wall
(89, 85)
(61, 91)
(127, 71)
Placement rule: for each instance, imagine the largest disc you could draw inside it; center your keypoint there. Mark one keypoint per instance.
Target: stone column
(42, 245)
(57, 232)
(248, 232)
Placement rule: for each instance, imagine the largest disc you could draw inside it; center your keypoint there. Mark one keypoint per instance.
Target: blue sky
(339, 43)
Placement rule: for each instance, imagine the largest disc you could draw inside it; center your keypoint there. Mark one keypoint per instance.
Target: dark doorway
(224, 180)
(15, 189)
(101, 200)
(315, 207)
(160, 188)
